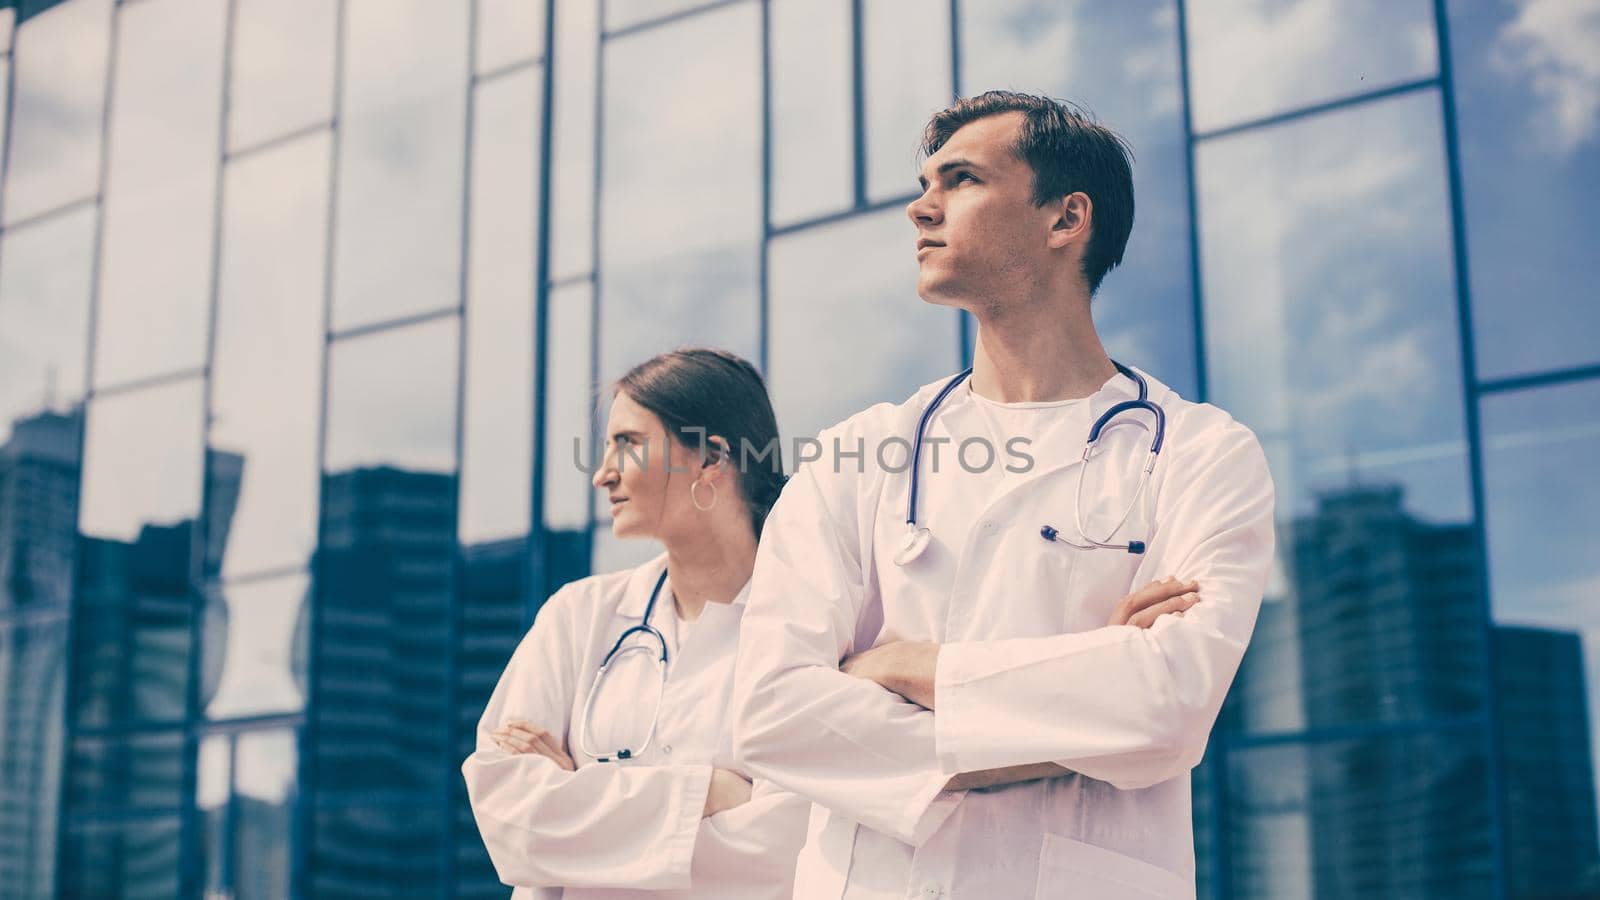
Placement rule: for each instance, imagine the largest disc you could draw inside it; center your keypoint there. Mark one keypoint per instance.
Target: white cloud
(1554, 46)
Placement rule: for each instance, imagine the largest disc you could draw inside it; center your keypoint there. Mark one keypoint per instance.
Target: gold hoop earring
(695, 498)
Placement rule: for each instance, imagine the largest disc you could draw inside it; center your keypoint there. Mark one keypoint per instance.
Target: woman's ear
(718, 453)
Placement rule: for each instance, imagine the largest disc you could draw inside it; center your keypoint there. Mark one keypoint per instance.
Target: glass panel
(254, 647)
(1542, 522)
(214, 780)
(45, 271)
(8, 22)
(134, 859)
(282, 76)
(1254, 58)
(1526, 104)
(1350, 375)
(1120, 62)
(392, 399)
(509, 31)
(141, 485)
(905, 341)
(401, 154)
(155, 295)
(573, 137)
(681, 214)
(56, 111)
(622, 13)
(378, 851)
(571, 420)
(1394, 816)
(382, 697)
(813, 142)
(126, 772)
(614, 554)
(497, 423)
(32, 666)
(906, 66)
(264, 801)
(265, 388)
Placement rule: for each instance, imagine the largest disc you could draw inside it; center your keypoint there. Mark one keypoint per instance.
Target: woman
(622, 793)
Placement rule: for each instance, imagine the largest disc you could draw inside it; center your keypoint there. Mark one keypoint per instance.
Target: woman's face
(646, 500)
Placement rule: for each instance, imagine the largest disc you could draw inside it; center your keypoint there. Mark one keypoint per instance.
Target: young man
(954, 704)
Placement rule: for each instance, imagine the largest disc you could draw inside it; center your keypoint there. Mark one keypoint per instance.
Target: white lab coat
(1028, 670)
(631, 829)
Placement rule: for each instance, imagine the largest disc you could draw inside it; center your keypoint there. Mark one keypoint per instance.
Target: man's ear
(1074, 212)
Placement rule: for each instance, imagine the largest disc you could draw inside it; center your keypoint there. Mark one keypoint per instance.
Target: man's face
(980, 238)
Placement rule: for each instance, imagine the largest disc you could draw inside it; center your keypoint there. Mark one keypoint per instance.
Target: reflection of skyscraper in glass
(1546, 763)
(1391, 620)
(382, 697)
(1391, 630)
(39, 473)
(491, 624)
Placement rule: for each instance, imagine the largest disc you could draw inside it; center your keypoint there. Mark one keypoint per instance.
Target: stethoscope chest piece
(912, 546)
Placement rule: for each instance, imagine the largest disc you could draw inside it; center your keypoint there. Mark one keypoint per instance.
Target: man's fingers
(1152, 593)
(1147, 617)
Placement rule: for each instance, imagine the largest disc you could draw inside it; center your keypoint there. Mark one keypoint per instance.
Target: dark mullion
(535, 565)
(1469, 378)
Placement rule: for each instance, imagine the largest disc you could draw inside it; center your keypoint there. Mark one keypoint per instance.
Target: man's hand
(1143, 606)
(522, 736)
(728, 789)
(904, 667)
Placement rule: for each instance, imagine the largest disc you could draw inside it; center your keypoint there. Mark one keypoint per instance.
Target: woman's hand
(728, 789)
(522, 736)
(1141, 607)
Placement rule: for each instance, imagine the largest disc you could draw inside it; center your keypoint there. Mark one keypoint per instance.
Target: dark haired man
(988, 733)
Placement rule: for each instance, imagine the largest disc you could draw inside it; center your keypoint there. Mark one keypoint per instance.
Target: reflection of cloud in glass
(281, 75)
(1553, 46)
(391, 399)
(509, 31)
(681, 214)
(1329, 294)
(400, 160)
(260, 620)
(266, 374)
(1254, 58)
(142, 459)
(1120, 61)
(847, 328)
(577, 24)
(155, 292)
(813, 143)
(1528, 183)
(60, 74)
(906, 70)
(570, 408)
(212, 777)
(44, 314)
(496, 465)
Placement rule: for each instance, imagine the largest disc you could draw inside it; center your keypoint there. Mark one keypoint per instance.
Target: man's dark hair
(1068, 152)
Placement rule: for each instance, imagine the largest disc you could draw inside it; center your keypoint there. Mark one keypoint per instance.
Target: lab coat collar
(1116, 389)
(636, 592)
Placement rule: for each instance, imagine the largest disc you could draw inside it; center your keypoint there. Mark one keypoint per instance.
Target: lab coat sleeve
(601, 826)
(1125, 705)
(757, 841)
(845, 743)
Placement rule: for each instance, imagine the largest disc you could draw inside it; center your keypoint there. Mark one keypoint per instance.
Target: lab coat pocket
(1072, 868)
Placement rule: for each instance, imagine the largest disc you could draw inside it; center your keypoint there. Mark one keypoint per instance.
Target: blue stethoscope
(617, 650)
(918, 537)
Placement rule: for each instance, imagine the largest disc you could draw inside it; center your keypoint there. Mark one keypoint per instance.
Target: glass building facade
(304, 306)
